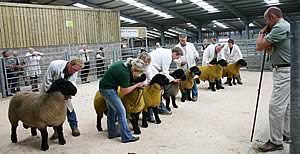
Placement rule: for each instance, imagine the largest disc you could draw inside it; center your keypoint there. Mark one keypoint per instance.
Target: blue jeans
(162, 107)
(72, 119)
(116, 108)
(195, 90)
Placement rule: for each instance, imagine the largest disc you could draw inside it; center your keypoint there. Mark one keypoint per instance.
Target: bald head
(15, 53)
(273, 10)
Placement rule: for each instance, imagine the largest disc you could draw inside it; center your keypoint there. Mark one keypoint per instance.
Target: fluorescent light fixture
(152, 35)
(174, 31)
(153, 32)
(203, 29)
(215, 22)
(178, 1)
(272, 2)
(155, 29)
(205, 6)
(81, 6)
(191, 25)
(168, 33)
(128, 20)
(148, 8)
(251, 25)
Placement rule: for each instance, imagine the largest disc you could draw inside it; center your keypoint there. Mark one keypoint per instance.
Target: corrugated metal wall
(24, 25)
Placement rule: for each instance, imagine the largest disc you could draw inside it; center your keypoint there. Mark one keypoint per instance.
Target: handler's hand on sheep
(140, 84)
(176, 81)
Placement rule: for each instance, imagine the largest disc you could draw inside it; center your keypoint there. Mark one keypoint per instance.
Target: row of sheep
(39, 111)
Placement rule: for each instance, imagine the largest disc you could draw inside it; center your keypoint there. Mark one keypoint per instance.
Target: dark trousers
(100, 68)
(34, 83)
(85, 72)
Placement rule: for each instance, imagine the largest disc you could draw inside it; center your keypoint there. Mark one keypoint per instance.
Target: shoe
(285, 138)
(133, 139)
(225, 82)
(166, 113)
(54, 136)
(151, 119)
(112, 137)
(269, 146)
(195, 98)
(239, 82)
(221, 87)
(75, 132)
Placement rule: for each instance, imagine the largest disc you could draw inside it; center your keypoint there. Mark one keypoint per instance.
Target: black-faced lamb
(172, 89)
(187, 85)
(41, 110)
(212, 74)
(233, 70)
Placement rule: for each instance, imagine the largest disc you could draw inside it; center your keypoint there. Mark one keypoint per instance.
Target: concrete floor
(218, 123)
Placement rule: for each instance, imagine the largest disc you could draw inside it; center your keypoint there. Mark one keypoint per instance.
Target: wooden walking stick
(258, 94)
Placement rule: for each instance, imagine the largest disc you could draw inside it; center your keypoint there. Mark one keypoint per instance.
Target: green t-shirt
(280, 42)
(118, 74)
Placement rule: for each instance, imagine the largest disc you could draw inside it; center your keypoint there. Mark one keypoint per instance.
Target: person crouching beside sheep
(66, 70)
(120, 74)
(232, 54)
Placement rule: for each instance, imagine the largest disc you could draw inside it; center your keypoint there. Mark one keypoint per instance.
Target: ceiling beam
(168, 11)
(232, 27)
(123, 15)
(232, 9)
(257, 23)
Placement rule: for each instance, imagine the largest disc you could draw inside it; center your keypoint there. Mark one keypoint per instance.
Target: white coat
(190, 54)
(160, 62)
(235, 54)
(33, 67)
(54, 72)
(209, 54)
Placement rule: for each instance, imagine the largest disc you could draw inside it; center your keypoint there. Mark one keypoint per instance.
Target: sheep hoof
(230, 84)
(158, 122)
(45, 147)
(99, 129)
(145, 125)
(213, 90)
(175, 106)
(62, 142)
(137, 132)
(168, 108)
(14, 139)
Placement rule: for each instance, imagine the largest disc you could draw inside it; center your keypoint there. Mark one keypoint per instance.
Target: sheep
(152, 98)
(212, 74)
(172, 89)
(130, 106)
(233, 70)
(41, 110)
(187, 85)
(133, 108)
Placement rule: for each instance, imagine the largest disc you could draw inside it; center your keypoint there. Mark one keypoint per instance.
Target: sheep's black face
(64, 86)
(160, 79)
(222, 62)
(140, 78)
(195, 70)
(178, 74)
(242, 62)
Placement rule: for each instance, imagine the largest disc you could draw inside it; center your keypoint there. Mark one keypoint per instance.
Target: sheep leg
(233, 80)
(60, 134)
(144, 120)
(183, 95)
(155, 111)
(99, 117)
(13, 136)
(188, 92)
(134, 121)
(33, 131)
(229, 81)
(218, 86)
(174, 102)
(212, 86)
(168, 103)
(44, 134)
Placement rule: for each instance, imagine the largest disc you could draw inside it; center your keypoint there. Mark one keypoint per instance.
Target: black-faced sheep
(134, 102)
(172, 89)
(212, 74)
(152, 97)
(41, 110)
(187, 85)
(233, 70)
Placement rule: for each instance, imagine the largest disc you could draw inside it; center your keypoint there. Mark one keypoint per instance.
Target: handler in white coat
(188, 60)
(67, 70)
(232, 54)
(161, 60)
(33, 68)
(212, 52)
